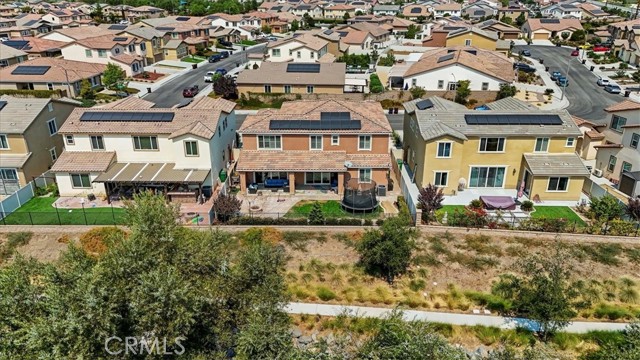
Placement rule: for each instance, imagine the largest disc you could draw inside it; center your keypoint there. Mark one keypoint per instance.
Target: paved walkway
(447, 318)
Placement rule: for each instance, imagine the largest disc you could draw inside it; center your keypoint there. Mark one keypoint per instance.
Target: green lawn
(449, 209)
(247, 42)
(557, 212)
(40, 211)
(193, 60)
(330, 209)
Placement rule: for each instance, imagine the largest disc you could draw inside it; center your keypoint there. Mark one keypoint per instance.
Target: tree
(628, 348)
(417, 92)
(346, 16)
(386, 252)
(295, 25)
(97, 14)
(542, 292)
(388, 60)
(266, 29)
(316, 217)
(225, 86)
(636, 76)
(412, 31)
(633, 208)
(506, 90)
(430, 199)
(421, 19)
(577, 35)
(112, 76)
(507, 20)
(463, 91)
(520, 20)
(308, 21)
(565, 35)
(226, 206)
(605, 208)
(359, 13)
(86, 90)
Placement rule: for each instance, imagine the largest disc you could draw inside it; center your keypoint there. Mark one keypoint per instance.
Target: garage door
(540, 36)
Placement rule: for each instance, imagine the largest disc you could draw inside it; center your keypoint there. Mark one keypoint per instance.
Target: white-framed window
(335, 139)
(440, 84)
(364, 175)
(275, 52)
(317, 178)
(287, 89)
(309, 89)
(617, 122)
(269, 142)
(69, 140)
(80, 181)
(487, 176)
(542, 145)
(485, 86)
(453, 86)
(467, 42)
(88, 53)
(444, 150)
(97, 142)
(570, 142)
(612, 163)
(441, 178)
(267, 89)
(560, 183)
(414, 82)
(299, 54)
(635, 139)
(102, 53)
(491, 145)
(145, 143)
(52, 126)
(8, 174)
(49, 86)
(4, 142)
(315, 142)
(53, 154)
(49, 105)
(132, 48)
(364, 142)
(191, 148)
(625, 167)
(134, 67)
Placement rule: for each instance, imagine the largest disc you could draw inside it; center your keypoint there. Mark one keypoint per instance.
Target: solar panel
(30, 70)
(120, 38)
(424, 104)
(30, 22)
(2, 104)
(479, 12)
(117, 27)
(446, 57)
(127, 116)
(550, 21)
(472, 52)
(338, 115)
(303, 68)
(183, 18)
(16, 44)
(416, 10)
(512, 119)
(165, 28)
(333, 124)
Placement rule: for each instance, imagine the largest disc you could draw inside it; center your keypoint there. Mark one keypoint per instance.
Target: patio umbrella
(521, 191)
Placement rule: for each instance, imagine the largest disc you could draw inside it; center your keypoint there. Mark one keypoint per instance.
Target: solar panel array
(303, 68)
(30, 22)
(127, 116)
(479, 12)
(18, 44)
(472, 52)
(30, 70)
(424, 104)
(117, 27)
(335, 115)
(2, 104)
(416, 10)
(315, 125)
(511, 119)
(446, 57)
(182, 18)
(120, 38)
(550, 21)
(165, 28)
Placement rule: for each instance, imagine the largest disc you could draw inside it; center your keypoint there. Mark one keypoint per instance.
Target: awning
(275, 160)
(151, 173)
(555, 164)
(13, 160)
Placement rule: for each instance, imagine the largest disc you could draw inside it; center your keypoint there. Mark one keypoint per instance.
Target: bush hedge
(248, 220)
(41, 94)
(375, 85)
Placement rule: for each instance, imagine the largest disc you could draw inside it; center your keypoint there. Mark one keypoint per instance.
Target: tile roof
(83, 32)
(92, 161)
(205, 102)
(439, 104)
(563, 24)
(127, 58)
(128, 103)
(8, 52)
(580, 121)
(38, 45)
(448, 7)
(255, 160)
(275, 73)
(106, 41)
(370, 113)
(356, 37)
(375, 161)
(556, 164)
(510, 103)
(308, 40)
(76, 71)
(594, 134)
(624, 106)
(173, 44)
(144, 32)
(488, 34)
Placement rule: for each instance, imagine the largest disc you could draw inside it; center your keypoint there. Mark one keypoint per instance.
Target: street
(170, 93)
(587, 99)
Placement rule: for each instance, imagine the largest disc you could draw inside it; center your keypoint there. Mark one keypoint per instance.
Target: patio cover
(556, 164)
(252, 160)
(14, 160)
(151, 173)
(498, 202)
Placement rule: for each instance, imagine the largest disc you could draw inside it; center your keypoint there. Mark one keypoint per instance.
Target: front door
(527, 183)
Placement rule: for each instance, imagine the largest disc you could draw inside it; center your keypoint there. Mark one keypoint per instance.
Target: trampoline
(359, 197)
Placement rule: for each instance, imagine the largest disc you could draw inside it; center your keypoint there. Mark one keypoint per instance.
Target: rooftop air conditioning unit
(597, 172)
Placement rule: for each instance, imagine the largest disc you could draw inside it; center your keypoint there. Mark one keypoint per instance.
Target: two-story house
(339, 11)
(247, 26)
(29, 140)
(315, 11)
(386, 9)
(193, 30)
(562, 11)
(309, 144)
(10, 55)
(513, 12)
(135, 14)
(128, 52)
(448, 9)
(115, 150)
(154, 40)
(68, 18)
(516, 148)
(303, 48)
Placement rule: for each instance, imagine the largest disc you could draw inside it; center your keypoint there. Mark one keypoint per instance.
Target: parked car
(601, 48)
(555, 75)
(525, 67)
(221, 71)
(215, 58)
(122, 94)
(272, 38)
(208, 77)
(224, 54)
(562, 81)
(603, 82)
(586, 46)
(613, 89)
(575, 53)
(525, 52)
(191, 91)
(224, 43)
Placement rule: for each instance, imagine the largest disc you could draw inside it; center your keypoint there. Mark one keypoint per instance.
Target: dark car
(524, 67)
(224, 54)
(562, 81)
(191, 91)
(215, 58)
(525, 52)
(575, 53)
(221, 71)
(555, 75)
(224, 43)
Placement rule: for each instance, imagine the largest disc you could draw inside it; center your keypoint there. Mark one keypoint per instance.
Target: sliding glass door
(486, 176)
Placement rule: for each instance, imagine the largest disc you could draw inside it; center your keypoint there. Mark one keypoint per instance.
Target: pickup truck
(208, 77)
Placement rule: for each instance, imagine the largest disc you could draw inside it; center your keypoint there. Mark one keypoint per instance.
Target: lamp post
(564, 84)
(66, 76)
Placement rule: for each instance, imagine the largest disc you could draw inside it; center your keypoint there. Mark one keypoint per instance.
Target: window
(364, 175)
(570, 142)
(617, 122)
(453, 86)
(482, 176)
(88, 53)
(80, 181)
(444, 150)
(312, 54)
(309, 89)
(441, 178)
(364, 142)
(269, 142)
(299, 54)
(287, 89)
(335, 139)
(491, 145)
(317, 178)
(53, 128)
(440, 84)
(97, 143)
(49, 86)
(4, 143)
(134, 67)
(53, 154)
(143, 46)
(69, 140)
(219, 131)
(485, 86)
(191, 148)
(612, 163)
(49, 105)
(635, 139)
(315, 142)
(414, 82)
(102, 53)
(145, 143)
(116, 50)
(267, 89)
(542, 145)
(8, 174)
(467, 42)
(558, 184)
(625, 167)
(275, 52)
(132, 48)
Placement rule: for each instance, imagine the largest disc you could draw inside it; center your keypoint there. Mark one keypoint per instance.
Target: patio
(465, 197)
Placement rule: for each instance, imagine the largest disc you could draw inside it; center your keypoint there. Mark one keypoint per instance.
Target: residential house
(154, 40)
(513, 12)
(8, 10)
(128, 52)
(466, 36)
(547, 29)
(136, 14)
(316, 144)
(78, 33)
(478, 11)
(248, 27)
(357, 42)
(504, 31)
(10, 55)
(591, 11)
(47, 73)
(591, 137)
(627, 48)
(330, 36)
(621, 150)
(37, 47)
(399, 28)
(391, 10)
(68, 18)
(131, 146)
(175, 49)
(447, 9)
(622, 29)
(304, 48)
(362, 6)
(379, 34)
(192, 29)
(415, 11)
(315, 11)
(33, 25)
(458, 149)
(562, 11)
(440, 70)
(339, 11)
(29, 140)
(293, 78)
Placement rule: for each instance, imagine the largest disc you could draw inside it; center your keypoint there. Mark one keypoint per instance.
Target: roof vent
(348, 164)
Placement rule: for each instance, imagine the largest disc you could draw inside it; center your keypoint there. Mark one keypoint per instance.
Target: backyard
(330, 209)
(41, 211)
(547, 212)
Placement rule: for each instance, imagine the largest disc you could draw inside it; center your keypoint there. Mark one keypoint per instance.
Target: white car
(209, 76)
(603, 82)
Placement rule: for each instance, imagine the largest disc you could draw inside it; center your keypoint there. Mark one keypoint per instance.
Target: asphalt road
(587, 99)
(170, 93)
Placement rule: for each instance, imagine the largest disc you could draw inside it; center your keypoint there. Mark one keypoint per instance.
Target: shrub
(611, 312)
(226, 206)
(316, 217)
(492, 302)
(548, 92)
(368, 222)
(633, 208)
(526, 205)
(619, 227)
(417, 92)
(475, 204)
(95, 241)
(325, 294)
(42, 94)
(543, 224)
(417, 285)
(430, 199)
(375, 85)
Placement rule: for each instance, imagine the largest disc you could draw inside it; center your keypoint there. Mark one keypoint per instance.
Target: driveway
(170, 93)
(587, 100)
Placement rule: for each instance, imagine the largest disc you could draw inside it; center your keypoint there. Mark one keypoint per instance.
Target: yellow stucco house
(479, 38)
(175, 49)
(502, 147)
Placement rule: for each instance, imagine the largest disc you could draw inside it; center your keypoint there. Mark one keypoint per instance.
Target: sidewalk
(446, 318)
(548, 84)
(171, 74)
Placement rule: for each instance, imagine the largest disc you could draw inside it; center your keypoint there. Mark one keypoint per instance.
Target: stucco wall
(540, 184)
(476, 41)
(349, 143)
(296, 89)
(452, 74)
(66, 188)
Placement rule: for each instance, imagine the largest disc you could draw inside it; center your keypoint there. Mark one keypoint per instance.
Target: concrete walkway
(446, 318)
